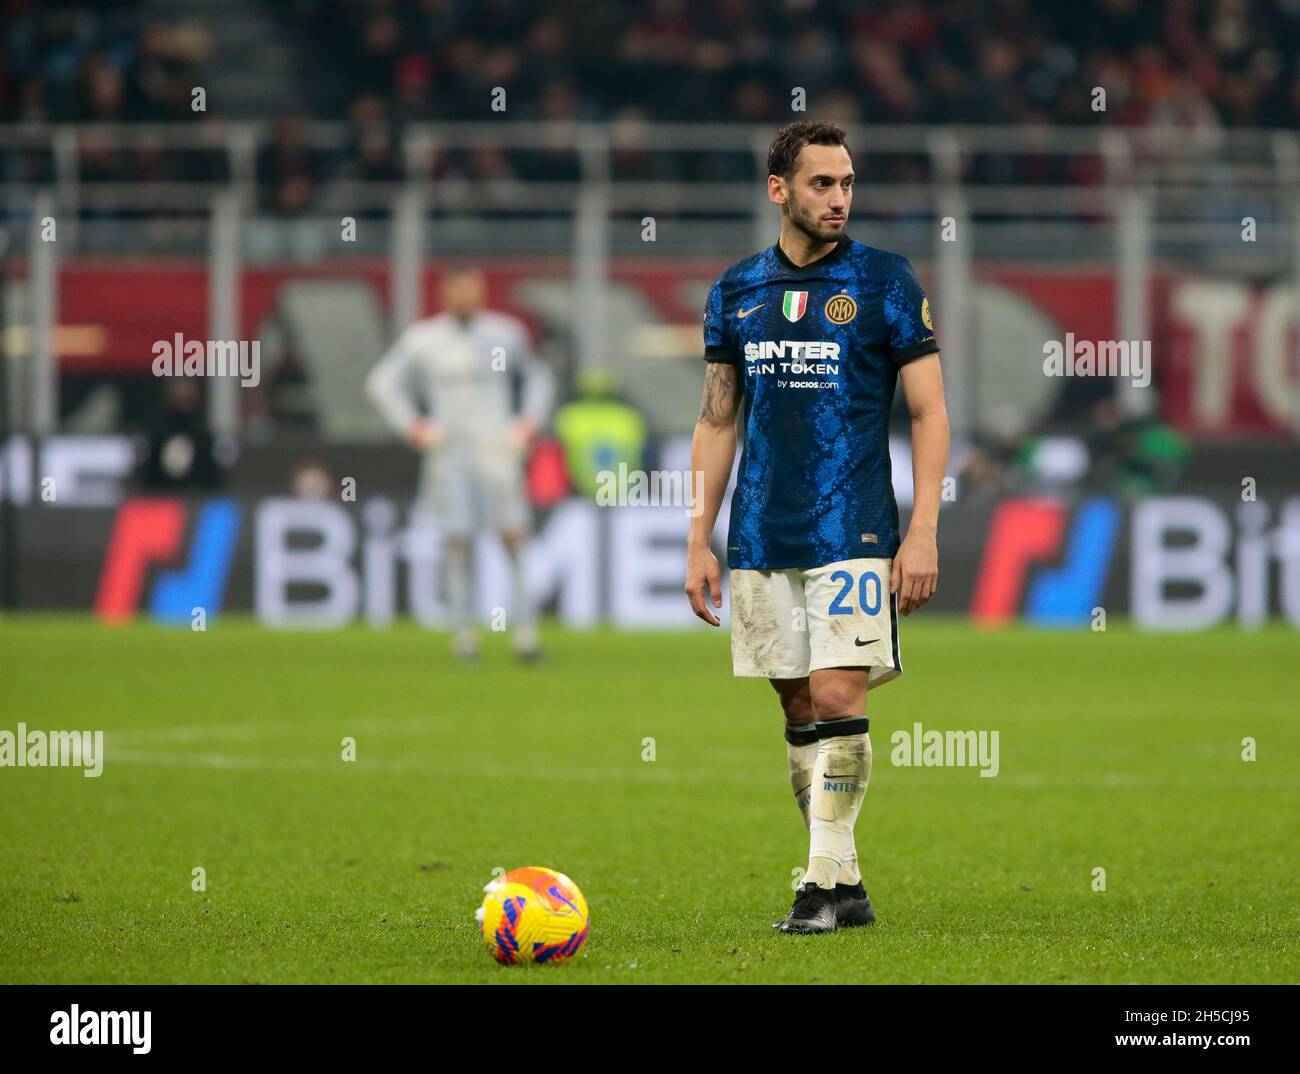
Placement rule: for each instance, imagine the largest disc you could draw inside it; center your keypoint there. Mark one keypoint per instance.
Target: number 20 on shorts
(871, 607)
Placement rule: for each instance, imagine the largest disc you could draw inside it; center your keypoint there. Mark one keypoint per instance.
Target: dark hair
(791, 138)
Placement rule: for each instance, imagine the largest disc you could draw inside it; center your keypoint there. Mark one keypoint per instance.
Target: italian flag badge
(794, 305)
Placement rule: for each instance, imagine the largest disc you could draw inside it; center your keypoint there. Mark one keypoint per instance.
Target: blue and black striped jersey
(819, 347)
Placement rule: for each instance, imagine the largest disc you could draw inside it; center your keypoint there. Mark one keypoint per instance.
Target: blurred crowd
(1194, 64)
(889, 61)
(1232, 62)
(107, 61)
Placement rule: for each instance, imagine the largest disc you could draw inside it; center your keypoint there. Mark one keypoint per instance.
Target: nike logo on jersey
(746, 313)
(859, 641)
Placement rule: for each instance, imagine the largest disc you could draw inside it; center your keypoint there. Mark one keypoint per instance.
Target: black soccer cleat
(781, 921)
(853, 906)
(813, 911)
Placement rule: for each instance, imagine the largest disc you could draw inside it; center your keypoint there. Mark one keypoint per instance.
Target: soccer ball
(533, 915)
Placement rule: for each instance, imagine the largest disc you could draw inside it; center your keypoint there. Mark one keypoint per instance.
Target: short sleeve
(717, 345)
(907, 312)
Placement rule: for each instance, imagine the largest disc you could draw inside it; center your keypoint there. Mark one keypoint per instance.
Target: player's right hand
(423, 433)
(703, 583)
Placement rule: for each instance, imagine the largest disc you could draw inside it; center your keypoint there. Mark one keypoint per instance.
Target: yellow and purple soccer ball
(533, 915)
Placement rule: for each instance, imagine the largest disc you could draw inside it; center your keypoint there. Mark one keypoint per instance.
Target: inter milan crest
(796, 302)
(840, 309)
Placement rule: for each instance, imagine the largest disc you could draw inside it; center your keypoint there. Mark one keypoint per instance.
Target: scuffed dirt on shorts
(754, 627)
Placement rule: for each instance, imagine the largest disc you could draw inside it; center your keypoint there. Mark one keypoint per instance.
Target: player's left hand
(916, 570)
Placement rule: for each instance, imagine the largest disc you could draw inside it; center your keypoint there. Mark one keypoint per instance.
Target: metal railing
(1159, 157)
(1128, 195)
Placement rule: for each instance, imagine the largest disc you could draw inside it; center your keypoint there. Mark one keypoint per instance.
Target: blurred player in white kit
(463, 365)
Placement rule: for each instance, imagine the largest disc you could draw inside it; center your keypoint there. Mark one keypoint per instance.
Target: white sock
(849, 872)
(455, 565)
(801, 745)
(843, 767)
(525, 615)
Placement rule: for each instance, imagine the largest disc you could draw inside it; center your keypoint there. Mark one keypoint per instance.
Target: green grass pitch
(1119, 751)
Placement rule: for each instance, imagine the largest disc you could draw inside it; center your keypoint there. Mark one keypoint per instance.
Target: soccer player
(461, 365)
(813, 334)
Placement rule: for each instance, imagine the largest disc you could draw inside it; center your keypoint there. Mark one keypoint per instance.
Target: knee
(836, 698)
(798, 710)
(797, 705)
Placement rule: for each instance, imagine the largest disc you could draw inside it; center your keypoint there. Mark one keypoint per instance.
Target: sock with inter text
(801, 744)
(839, 784)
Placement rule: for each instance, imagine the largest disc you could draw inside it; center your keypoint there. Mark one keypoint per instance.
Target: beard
(805, 221)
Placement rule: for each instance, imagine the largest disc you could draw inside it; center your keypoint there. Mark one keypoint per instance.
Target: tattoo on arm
(721, 392)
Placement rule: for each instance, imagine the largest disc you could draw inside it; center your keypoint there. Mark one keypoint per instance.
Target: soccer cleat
(528, 645)
(813, 911)
(465, 647)
(853, 906)
(781, 921)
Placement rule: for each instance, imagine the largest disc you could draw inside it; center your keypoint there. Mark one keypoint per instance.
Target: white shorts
(788, 623)
(472, 492)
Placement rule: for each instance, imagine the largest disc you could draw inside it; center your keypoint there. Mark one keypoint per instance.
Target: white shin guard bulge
(840, 776)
